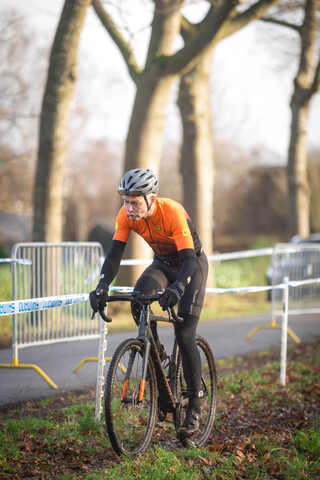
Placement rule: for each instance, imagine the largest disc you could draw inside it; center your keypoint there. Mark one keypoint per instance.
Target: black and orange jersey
(168, 231)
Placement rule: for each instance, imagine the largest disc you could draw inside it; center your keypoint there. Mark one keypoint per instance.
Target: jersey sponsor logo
(186, 232)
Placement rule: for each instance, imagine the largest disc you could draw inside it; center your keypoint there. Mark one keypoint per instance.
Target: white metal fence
(46, 276)
(297, 262)
(49, 275)
(56, 269)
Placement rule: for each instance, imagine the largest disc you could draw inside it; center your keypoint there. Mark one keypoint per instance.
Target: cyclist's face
(136, 207)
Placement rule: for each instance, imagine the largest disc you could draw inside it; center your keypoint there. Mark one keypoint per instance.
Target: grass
(262, 431)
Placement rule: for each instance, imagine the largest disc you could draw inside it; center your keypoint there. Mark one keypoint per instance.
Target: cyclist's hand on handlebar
(98, 297)
(171, 295)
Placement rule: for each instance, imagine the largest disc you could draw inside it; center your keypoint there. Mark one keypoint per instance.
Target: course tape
(280, 286)
(215, 257)
(45, 303)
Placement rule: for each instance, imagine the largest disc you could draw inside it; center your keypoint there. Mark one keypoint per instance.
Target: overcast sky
(250, 87)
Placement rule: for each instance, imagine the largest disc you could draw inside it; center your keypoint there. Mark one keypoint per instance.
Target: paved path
(227, 337)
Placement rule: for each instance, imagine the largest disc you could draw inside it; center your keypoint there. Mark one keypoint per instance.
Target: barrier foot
(32, 367)
(273, 325)
(89, 359)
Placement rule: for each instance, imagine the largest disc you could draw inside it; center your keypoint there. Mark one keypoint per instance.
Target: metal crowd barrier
(52, 275)
(46, 276)
(298, 262)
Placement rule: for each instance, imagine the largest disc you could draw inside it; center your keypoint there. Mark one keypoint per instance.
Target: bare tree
(314, 179)
(48, 193)
(18, 107)
(197, 152)
(306, 85)
(153, 82)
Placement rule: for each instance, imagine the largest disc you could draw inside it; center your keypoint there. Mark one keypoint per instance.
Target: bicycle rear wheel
(209, 385)
(130, 421)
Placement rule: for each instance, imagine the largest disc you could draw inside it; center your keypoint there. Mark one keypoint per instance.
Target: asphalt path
(227, 337)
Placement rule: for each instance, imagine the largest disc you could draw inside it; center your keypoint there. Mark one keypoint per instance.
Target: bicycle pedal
(161, 415)
(188, 443)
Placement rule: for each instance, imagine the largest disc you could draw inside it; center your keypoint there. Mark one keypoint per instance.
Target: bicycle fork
(139, 397)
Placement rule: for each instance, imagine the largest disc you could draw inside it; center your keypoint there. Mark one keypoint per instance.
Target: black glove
(98, 297)
(171, 295)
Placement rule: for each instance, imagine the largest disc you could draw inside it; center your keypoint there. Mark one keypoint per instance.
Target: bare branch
(208, 32)
(282, 23)
(124, 47)
(253, 13)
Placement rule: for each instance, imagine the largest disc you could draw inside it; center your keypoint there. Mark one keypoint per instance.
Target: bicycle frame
(167, 401)
(140, 390)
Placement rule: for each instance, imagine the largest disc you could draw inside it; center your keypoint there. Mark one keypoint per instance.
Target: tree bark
(298, 184)
(306, 84)
(197, 153)
(48, 190)
(154, 82)
(144, 140)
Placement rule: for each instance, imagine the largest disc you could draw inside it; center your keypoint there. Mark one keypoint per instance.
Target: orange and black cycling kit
(169, 232)
(178, 258)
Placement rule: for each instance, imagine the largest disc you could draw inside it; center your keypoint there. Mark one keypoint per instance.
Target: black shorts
(158, 275)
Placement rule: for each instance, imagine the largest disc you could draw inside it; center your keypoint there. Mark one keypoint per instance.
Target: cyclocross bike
(141, 391)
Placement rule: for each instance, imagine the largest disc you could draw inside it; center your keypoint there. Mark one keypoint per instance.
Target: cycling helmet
(137, 182)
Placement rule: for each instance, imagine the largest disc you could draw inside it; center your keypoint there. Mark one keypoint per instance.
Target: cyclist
(179, 266)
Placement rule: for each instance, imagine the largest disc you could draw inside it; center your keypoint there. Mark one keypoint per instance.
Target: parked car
(299, 265)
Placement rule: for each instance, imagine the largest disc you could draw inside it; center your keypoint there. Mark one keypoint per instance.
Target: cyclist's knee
(148, 285)
(186, 331)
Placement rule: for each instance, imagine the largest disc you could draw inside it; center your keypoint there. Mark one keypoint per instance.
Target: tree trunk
(298, 184)
(196, 162)
(48, 190)
(304, 87)
(144, 140)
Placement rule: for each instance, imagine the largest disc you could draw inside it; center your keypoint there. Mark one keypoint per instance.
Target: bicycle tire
(130, 423)
(209, 383)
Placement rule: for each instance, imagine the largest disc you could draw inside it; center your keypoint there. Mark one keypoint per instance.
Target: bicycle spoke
(209, 388)
(129, 416)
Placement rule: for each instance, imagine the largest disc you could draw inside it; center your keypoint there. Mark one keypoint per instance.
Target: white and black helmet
(140, 181)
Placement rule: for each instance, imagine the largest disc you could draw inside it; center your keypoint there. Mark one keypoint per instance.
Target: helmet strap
(146, 200)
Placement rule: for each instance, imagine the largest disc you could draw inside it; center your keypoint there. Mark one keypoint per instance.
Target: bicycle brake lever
(175, 316)
(105, 317)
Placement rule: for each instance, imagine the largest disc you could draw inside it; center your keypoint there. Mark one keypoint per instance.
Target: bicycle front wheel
(130, 418)
(209, 386)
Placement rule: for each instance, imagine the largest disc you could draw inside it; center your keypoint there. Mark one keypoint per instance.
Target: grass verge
(262, 431)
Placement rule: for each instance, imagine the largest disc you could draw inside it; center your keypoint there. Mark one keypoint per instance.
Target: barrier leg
(15, 362)
(100, 371)
(89, 359)
(32, 367)
(284, 334)
(271, 325)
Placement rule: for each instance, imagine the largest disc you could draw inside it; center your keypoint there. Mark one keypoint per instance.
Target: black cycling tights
(191, 361)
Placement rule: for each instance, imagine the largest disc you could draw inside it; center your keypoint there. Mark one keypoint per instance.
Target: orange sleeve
(122, 228)
(180, 229)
